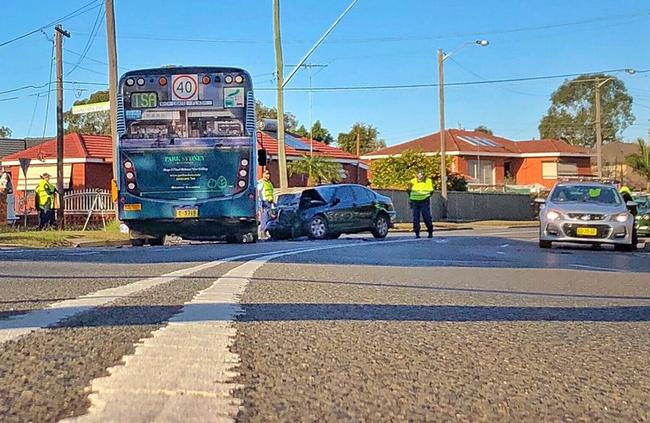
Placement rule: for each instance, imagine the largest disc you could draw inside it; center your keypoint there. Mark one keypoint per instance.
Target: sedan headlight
(552, 215)
(622, 217)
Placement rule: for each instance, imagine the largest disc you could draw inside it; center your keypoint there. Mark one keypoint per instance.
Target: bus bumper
(195, 229)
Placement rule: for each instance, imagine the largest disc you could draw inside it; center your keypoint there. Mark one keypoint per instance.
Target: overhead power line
(449, 84)
(80, 11)
(91, 39)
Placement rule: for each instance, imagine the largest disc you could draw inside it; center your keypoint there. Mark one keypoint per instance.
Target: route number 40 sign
(185, 87)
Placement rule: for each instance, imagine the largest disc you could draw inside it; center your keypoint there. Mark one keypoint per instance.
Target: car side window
(363, 195)
(345, 194)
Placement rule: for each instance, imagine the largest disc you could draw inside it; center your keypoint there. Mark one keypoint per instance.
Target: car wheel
(380, 227)
(545, 244)
(157, 241)
(317, 228)
(137, 242)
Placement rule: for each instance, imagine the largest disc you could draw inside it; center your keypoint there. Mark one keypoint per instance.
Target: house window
(549, 170)
(482, 171)
(567, 168)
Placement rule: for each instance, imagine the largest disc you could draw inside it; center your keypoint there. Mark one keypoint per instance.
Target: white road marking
(16, 326)
(584, 266)
(184, 372)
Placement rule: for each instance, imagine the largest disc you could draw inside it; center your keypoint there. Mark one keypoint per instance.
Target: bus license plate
(587, 231)
(187, 213)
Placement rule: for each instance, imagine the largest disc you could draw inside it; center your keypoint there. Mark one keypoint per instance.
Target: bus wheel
(137, 242)
(157, 241)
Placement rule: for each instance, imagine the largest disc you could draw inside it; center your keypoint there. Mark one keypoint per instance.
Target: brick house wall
(529, 170)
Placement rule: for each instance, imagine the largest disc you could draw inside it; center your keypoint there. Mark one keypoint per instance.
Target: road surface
(476, 325)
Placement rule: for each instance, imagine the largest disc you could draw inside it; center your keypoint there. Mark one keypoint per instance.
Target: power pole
(279, 64)
(443, 157)
(358, 153)
(112, 82)
(599, 135)
(59, 33)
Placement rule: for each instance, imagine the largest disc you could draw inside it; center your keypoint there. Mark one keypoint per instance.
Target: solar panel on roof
(467, 140)
(295, 143)
(479, 141)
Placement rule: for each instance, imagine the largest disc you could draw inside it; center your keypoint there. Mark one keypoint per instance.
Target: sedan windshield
(586, 194)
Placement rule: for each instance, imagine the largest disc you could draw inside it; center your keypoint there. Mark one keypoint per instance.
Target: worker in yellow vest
(266, 198)
(420, 190)
(45, 201)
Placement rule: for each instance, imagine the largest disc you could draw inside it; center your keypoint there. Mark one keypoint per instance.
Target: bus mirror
(261, 157)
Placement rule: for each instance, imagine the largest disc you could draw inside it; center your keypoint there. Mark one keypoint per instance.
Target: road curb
(100, 243)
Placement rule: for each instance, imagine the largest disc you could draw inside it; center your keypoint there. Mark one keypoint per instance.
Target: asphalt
(469, 326)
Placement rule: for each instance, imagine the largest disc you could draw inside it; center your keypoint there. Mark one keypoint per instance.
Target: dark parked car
(328, 211)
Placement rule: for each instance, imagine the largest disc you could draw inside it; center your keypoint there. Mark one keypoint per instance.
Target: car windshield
(586, 194)
(288, 199)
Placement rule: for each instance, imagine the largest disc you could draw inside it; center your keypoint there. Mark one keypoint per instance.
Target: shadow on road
(282, 312)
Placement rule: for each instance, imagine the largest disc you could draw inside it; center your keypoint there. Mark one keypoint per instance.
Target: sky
(378, 43)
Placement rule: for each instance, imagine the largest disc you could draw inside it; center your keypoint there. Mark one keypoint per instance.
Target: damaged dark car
(327, 211)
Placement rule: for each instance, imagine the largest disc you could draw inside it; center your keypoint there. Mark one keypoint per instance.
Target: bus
(187, 154)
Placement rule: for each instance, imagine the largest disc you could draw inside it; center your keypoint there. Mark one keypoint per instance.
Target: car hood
(579, 207)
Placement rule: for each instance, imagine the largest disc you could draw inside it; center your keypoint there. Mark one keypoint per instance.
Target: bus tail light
(242, 174)
(206, 80)
(162, 81)
(130, 176)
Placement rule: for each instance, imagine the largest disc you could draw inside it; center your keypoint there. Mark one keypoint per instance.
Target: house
(614, 166)
(491, 160)
(296, 147)
(87, 163)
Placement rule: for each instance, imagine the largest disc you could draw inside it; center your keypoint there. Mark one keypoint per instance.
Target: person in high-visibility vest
(265, 195)
(45, 201)
(420, 190)
(626, 193)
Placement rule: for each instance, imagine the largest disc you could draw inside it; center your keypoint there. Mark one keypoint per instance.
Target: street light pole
(441, 86)
(443, 157)
(599, 134)
(282, 161)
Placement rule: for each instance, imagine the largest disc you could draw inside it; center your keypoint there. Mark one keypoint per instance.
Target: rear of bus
(187, 153)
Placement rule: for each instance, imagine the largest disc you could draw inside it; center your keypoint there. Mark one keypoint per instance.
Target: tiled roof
(268, 141)
(76, 146)
(470, 142)
(549, 146)
(13, 145)
(616, 152)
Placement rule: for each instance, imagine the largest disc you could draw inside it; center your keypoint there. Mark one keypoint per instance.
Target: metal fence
(467, 206)
(82, 201)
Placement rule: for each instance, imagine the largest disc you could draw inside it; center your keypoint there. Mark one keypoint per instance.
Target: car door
(364, 207)
(341, 214)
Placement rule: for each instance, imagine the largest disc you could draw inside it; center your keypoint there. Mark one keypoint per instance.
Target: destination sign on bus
(144, 100)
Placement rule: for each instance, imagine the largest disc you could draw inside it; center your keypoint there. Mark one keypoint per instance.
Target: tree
(368, 140)
(302, 131)
(321, 134)
(396, 171)
(484, 129)
(571, 115)
(5, 132)
(262, 112)
(95, 123)
(640, 161)
(317, 169)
